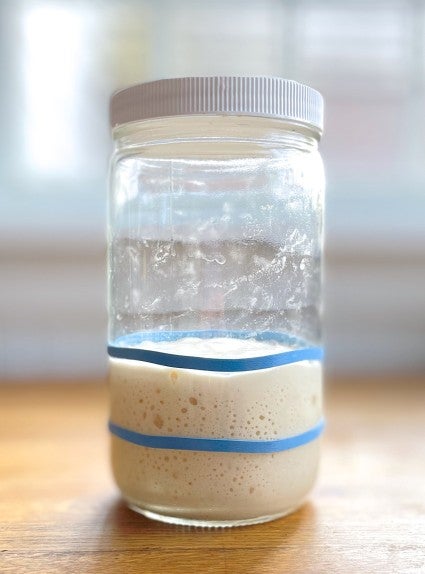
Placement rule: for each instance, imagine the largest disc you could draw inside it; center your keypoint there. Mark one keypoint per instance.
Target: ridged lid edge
(223, 95)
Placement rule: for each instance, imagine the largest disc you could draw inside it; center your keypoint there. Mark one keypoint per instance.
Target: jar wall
(216, 233)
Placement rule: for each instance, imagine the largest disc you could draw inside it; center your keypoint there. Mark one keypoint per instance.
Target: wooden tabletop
(60, 511)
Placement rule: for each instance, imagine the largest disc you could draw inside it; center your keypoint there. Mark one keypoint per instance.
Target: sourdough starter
(215, 487)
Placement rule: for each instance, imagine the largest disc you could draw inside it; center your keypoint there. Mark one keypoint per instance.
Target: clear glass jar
(215, 241)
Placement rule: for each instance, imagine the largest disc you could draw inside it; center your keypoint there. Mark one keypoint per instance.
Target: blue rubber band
(217, 444)
(125, 348)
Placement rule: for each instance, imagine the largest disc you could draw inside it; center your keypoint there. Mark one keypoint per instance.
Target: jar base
(204, 523)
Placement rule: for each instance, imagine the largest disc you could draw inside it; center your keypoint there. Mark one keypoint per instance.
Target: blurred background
(59, 63)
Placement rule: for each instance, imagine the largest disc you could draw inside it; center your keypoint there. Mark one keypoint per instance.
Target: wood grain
(60, 512)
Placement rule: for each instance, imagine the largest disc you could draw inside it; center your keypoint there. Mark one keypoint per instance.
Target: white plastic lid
(220, 95)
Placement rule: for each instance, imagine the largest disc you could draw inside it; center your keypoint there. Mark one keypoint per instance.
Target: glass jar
(215, 241)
